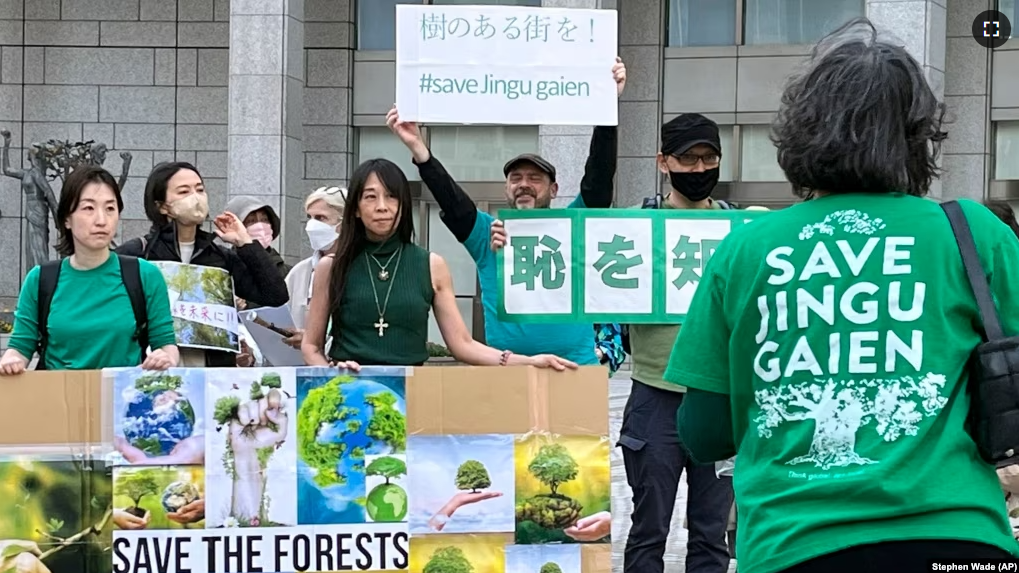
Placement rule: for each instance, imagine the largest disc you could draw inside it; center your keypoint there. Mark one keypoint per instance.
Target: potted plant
(439, 355)
(6, 326)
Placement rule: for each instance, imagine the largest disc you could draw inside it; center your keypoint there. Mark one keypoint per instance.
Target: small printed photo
(150, 498)
(46, 499)
(155, 421)
(252, 447)
(461, 484)
(543, 559)
(203, 306)
(563, 489)
(469, 553)
(386, 488)
(345, 422)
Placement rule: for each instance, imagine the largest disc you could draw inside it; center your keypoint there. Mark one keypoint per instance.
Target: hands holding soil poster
(431, 470)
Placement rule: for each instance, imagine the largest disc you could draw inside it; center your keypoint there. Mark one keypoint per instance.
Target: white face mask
(320, 234)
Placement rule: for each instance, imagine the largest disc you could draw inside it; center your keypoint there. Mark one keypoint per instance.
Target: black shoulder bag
(994, 366)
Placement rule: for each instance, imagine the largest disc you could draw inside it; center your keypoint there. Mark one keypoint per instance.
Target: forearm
(459, 211)
(704, 423)
(477, 354)
(596, 188)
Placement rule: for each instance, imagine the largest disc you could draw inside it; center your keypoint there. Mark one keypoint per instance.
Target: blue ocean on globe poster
(156, 415)
(342, 418)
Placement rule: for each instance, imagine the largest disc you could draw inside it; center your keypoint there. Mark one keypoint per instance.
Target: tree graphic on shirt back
(840, 409)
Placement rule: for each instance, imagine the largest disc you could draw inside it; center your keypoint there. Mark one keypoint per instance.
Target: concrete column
(967, 151)
(921, 26)
(641, 45)
(265, 135)
(566, 146)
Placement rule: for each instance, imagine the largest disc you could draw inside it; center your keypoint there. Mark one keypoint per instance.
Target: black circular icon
(991, 29)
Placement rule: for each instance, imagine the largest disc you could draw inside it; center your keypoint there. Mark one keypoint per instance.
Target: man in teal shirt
(530, 184)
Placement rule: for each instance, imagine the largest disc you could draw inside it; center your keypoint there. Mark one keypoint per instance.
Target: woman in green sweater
(378, 287)
(91, 323)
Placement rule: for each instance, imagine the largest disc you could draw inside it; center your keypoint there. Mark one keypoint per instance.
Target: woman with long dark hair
(379, 287)
(91, 323)
(828, 343)
(177, 205)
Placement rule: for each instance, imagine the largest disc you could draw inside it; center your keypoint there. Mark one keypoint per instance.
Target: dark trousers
(655, 459)
(897, 557)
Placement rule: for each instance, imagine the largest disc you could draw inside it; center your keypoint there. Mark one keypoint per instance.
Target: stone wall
(145, 76)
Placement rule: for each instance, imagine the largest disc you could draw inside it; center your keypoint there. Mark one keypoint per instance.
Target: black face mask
(694, 185)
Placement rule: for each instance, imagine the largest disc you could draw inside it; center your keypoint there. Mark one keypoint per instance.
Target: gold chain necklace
(382, 325)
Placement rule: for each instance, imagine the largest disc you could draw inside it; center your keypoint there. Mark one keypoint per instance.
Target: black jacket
(254, 273)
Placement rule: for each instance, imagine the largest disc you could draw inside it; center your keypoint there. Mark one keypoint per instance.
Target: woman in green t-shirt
(378, 287)
(827, 345)
(91, 321)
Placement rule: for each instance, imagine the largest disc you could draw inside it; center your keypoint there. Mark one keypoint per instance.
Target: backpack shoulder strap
(130, 273)
(652, 202)
(49, 276)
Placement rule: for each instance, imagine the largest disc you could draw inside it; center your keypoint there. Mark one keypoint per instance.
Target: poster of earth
(158, 417)
(351, 446)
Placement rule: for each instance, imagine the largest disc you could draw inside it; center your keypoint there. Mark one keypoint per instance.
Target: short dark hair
(155, 189)
(860, 118)
(70, 197)
(1003, 211)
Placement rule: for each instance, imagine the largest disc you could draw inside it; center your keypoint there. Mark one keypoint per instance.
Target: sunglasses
(691, 159)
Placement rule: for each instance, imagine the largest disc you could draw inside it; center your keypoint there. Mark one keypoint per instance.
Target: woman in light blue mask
(325, 210)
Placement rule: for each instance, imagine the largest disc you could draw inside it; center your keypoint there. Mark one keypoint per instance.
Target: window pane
(376, 23)
(796, 21)
(760, 158)
(1010, 8)
(444, 244)
(486, 2)
(702, 23)
(466, 306)
(416, 218)
(477, 153)
(1006, 150)
(728, 164)
(373, 142)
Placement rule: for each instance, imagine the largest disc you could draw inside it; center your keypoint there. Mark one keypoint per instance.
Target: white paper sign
(506, 65)
(538, 266)
(618, 266)
(690, 243)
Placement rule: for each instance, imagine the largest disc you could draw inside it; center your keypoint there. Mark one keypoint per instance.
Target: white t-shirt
(186, 251)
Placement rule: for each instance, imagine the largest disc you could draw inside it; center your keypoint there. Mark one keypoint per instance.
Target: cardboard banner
(506, 65)
(202, 305)
(307, 469)
(607, 265)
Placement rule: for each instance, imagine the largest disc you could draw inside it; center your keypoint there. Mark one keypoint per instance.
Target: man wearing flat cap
(530, 184)
(653, 453)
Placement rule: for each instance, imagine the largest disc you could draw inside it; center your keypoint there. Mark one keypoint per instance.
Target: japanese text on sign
(506, 65)
(597, 265)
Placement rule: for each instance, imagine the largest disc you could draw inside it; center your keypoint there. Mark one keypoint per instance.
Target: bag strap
(130, 273)
(49, 276)
(974, 270)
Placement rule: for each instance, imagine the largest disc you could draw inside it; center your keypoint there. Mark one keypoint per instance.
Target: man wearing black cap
(530, 184)
(653, 455)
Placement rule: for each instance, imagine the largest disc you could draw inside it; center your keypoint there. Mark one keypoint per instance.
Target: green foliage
(387, 467)
(323, 406)
(272, 380)
(226, 409)
(553, 466)
(549, 511)
(217, 286)
(438, 351)
(550, 567)
(185, 280)
(150, 445)
(256, 391)
(151, 383)
(14, 550)
(387, 423)
(188, 410)
(136, 485)
(472, 475)
(264, 454)
(448, 560)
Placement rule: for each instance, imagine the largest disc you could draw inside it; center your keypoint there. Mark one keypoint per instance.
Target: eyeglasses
(691, 159)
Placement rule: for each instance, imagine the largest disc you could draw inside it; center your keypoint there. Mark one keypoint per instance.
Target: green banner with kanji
(631, 266)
